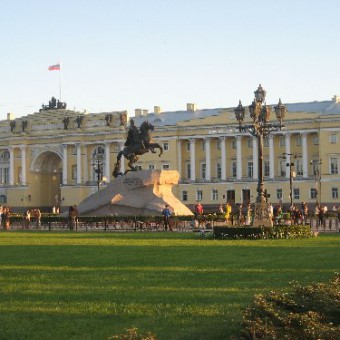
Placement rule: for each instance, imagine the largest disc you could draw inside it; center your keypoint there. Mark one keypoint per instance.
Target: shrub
(311, 312)
(276, 232)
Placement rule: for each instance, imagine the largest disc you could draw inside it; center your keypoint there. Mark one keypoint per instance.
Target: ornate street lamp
(98, 169)
(292, 174)
(316, 163)
(260, 128)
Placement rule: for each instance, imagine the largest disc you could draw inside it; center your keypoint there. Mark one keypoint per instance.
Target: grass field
(92, 286)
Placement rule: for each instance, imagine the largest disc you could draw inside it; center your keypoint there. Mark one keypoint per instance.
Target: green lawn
(94, 285)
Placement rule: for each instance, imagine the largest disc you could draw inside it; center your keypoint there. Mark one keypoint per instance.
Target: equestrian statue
(138, 143)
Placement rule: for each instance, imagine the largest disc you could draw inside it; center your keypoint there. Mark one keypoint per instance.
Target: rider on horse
(133, 139)
(138, 143)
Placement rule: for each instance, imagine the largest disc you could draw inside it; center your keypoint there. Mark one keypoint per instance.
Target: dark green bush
(310, 312)
(276, 232)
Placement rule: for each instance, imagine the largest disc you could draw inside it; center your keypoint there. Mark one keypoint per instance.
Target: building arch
(46, 179)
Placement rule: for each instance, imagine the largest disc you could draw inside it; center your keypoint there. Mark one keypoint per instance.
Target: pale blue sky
(127, 54)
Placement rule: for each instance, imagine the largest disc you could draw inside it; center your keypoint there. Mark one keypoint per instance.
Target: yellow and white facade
(45, 162)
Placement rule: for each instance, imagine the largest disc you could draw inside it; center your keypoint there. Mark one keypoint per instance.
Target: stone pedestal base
(261, 216)
(143, 192)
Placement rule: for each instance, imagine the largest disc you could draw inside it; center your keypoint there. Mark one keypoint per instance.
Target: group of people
(5, 215)
(28, 215)
(5, 218)
(244, 213)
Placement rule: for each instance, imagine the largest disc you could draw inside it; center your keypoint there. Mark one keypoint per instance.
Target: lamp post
(98, 169)
(316, 163)
(287, 156)
(260, 128)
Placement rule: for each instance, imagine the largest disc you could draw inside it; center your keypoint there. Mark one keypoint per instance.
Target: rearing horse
(140, 145)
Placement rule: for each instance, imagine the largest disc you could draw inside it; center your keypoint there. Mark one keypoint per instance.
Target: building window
(165, 146)
(234, 169)
(333, 138)
(266, 142)
(218, 144)
(335, 194)
(4, 167)
(188, 146)
(203, 144)
(250, 143)
(188, 170)
(19, 175)
(315, 169)
(231, 196)
(298, 140)
(74, 172)
(298, 167)
(151, 167)
(3, 199)
(250, 169)
(199, 195)
(184, 195)
(315, 140)
(219, 170)
(165, 166)
(233, 144)
(296, 193)
(333, 162)
(98, 153)
(245, 196)
(203, 170)
(282, 141)
(282, 168)
(266, 169)
(4, 175)
(279, 194)
(98, 161)
(313, 193)
(214, 195)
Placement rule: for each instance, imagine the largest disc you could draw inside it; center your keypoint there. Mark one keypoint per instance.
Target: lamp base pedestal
(261, 216)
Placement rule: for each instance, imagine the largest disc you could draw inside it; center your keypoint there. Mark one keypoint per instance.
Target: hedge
(275, 232)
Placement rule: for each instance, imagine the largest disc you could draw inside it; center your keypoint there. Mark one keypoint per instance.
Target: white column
(11, 166)
(107, 172)
(85, 164)
(239, 157)
(64, 164)
(179, 157)
(207, 159)
(122, 160)
(223, 159)
(23, 165)
(271, 157)
(78, 147)
(192, 159)
(304, 156)
(255, 158)
(287, 136)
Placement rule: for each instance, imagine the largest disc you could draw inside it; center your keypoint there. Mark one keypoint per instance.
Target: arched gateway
(47, 173)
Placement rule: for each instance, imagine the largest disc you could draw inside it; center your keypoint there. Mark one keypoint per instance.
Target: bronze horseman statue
(138, 143)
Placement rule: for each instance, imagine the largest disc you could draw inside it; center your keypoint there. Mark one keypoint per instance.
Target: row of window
(282, 142)
(298, 168)
(230, 194)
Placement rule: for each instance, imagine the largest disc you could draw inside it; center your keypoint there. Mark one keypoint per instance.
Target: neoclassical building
(58, 157)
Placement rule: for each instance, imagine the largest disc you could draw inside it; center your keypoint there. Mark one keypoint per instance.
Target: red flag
(55, 67)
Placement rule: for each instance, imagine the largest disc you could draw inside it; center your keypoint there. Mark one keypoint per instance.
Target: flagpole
(60, 78)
